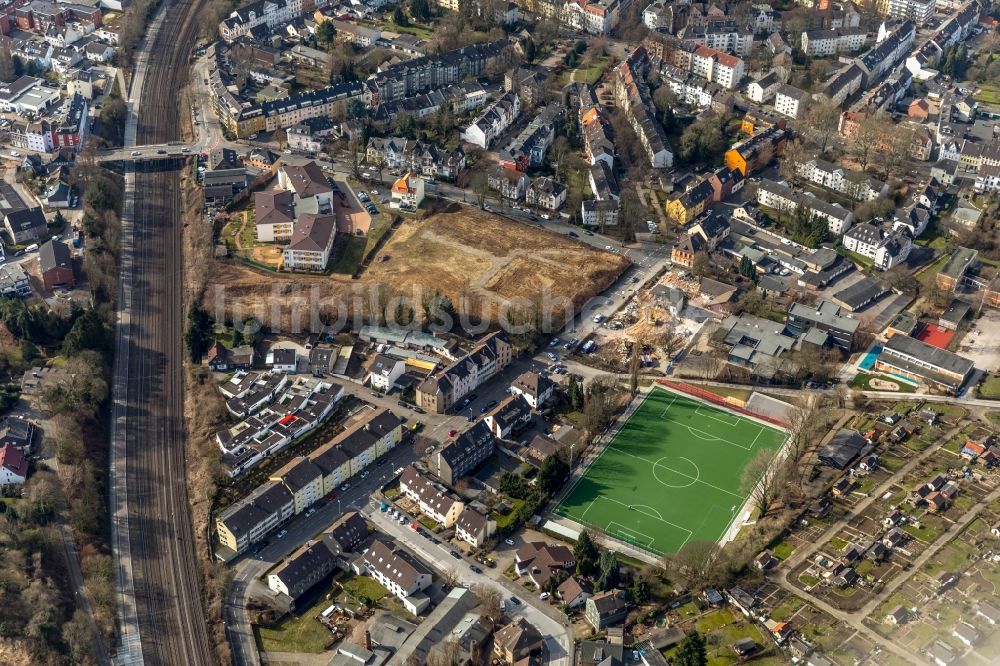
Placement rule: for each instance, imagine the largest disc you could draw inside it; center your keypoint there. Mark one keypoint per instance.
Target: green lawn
(988, 93)
(862, 381)
(348, 251)
(364, 588)
(670, 475)
(783, 550)
(297, 634)
(926, 276)
(990, 389)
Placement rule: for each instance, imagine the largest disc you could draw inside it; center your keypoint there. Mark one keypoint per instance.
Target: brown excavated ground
(470, 256)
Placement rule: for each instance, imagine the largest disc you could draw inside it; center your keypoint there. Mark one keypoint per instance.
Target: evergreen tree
(399, 17)
(692, 651)
(639, 592)
(747, 269)
(199, 333)
(553, 472)
(529, 50)
(586, 553)
(609, 571)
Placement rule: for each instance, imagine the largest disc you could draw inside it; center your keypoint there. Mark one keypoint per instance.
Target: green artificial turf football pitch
(670, 475)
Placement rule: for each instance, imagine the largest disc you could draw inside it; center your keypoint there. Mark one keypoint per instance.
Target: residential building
(274, 215)
(24, 225)
(400, 573)
(309, 247)
(887, 248)
(13, 466)
(717, 66)
(268, 13)
(16, 432)
(367, 440)
(465, 453)
(574, 592)
(606, 609)
(823, 43)
(536, 389)
(250, 520)
(514, 643)
(762, 90)
(493, 121)
(597, 213)
(415, 157)
(474, 528)
(855, 184)
(384, 372)
(407, 192)
(440, 391)
(790, 101)
(14, 281)
(303, 479)
(939, 368)
(540, 561)
(313, 194)
(633, 97)
(300, 137)
(780, 197)
(510, 183)
(56, 265)
(306, 566)
(692, 203)
(546, 193)
(433, 500)
(528, 148)
(510, 417)
(918, 11)
(754, 153)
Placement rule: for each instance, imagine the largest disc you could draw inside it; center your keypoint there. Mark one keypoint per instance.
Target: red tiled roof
(12, 459)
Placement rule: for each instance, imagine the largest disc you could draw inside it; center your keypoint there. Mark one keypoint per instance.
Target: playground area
(671, 473)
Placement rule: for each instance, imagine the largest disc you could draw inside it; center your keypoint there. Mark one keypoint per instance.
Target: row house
(844, 83)
(887, 248)
(268, 13)
(408, 78)
(440, 391)
(856, 185)
(546, 193)
(528, 148)
(400, 573)
(463, 97)
(463, 454)
(756, 152)
(723, 35)
(250, 520)
(595, 17)
(433, 500)
(823, 43)
(597, 142)
(632, 95)
(493, 121)
(599, 213)
(779, 196)
(918, 11)
(509, 418)
(415, 157)
(511, 184)
(892, 45)
(690, 89)
(474, 528)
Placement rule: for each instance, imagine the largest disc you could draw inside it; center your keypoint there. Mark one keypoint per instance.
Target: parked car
(543, 595)
(282, 534)
(456, 555)
(515, 601)
(475, 569)
(509, 542)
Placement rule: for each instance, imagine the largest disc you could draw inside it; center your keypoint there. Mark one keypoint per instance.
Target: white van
(31, 248)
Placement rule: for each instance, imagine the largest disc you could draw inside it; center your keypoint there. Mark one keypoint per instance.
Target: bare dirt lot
(477, 259)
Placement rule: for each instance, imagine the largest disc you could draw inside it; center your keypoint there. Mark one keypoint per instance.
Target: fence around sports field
(722, 401)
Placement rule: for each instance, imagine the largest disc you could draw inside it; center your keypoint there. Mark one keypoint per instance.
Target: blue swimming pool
(868, 362)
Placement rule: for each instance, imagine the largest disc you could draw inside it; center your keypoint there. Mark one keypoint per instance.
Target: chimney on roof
(368, 640)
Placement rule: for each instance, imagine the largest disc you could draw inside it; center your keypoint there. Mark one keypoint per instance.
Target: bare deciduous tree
(762, 479)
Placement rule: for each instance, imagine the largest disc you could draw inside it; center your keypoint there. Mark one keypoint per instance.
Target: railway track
(159, 554)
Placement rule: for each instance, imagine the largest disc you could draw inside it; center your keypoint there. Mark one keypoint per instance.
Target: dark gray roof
(941, 358)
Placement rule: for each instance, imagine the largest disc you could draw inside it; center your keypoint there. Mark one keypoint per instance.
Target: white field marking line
(669, 469)
(673, 399)
(750, 417)
(588, 508)
(705, 413)
(754, 442)
(666, 522)
(632, 534)
(707, 436)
